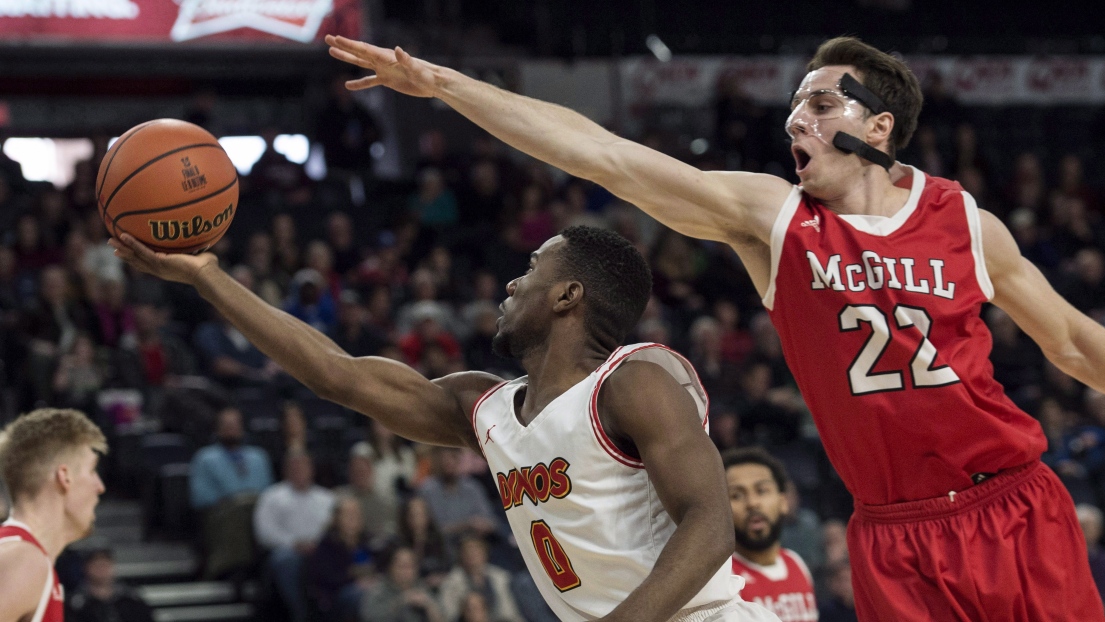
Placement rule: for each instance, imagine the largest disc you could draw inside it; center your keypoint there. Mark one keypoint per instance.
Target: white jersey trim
(883, 226)
(44, 600)
(778, 236)
(974, 223)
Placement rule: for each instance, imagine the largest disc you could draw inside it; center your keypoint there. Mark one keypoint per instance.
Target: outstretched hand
(394, 69)
(182, 268)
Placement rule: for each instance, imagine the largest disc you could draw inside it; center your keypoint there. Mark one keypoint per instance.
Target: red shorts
(1007, 549)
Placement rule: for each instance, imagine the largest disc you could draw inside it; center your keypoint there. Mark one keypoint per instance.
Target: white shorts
(736, 610)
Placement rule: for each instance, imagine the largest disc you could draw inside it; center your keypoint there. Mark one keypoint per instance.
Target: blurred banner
(769, 80)
(153, 21)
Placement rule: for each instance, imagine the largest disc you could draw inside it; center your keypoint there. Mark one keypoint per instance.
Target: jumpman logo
(489, 439)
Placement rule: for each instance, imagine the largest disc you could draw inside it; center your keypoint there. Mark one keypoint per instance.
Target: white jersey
(586, 516)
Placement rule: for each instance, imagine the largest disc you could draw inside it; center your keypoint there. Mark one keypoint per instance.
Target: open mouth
(801, 158)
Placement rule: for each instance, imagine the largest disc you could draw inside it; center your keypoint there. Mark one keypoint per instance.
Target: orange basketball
(170, 185)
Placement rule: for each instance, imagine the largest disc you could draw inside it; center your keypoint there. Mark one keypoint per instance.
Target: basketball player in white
(614, 492)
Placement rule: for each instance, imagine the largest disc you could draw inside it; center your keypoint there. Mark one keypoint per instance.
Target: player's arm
(643, 403)
(23, 574)
(1071, 340)
(392, 393)
(719, 206)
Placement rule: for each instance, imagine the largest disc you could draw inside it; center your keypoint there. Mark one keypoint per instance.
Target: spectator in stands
(434, 204)
(160, 355)
(1073, 228)
(49, 329)
(310, 300)
(101, 599)
(226, 478)
(1086, 286)
(378, 511)
(456, 502)
(353, 332)
(289, 520)
(394, 462)
(419, 533)
(475, 609)
(428, 328)
(228, 467)
(32, 252)
(346, 131)
(473, 573)
(340, 569)
(802, 530)
(114, 316)
(720, 376)
(1092, 521)
(80, 375)
(229, 357)
(841, 604)
(340, 237)
(401, 596)
(281, 182)
(260, 259)
(775, 577)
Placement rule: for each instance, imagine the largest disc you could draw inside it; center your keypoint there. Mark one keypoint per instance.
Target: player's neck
(765, 557)
(553, 369)
(869, 193)
(45, 519)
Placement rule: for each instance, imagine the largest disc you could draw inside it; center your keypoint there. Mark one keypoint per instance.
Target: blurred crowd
(339, 517)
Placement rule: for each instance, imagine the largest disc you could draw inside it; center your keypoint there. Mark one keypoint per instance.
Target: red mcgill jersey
(51, 603)
(879, 323)
(784, 588)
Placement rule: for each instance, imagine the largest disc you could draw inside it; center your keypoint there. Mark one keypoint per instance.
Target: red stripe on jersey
(596, 424)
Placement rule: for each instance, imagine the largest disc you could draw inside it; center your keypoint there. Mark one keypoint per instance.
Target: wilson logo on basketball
(537, 482)
(193, 178)
(165, 230)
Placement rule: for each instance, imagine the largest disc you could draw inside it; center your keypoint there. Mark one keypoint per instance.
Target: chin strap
(850, 144)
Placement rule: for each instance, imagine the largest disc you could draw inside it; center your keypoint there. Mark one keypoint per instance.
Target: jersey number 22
(924, 375)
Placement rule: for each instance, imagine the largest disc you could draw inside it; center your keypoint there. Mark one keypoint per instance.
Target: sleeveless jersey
(785, 588)
(879, 323)
(51, 604)
(586, 516)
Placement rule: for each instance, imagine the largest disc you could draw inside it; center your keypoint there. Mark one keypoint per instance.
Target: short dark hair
(616, 280)
(757, 455)
(882, 74)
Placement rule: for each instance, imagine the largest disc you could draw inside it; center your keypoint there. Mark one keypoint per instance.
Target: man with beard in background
(774, 577)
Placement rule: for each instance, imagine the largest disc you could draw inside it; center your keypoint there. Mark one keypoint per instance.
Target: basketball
(169, 184)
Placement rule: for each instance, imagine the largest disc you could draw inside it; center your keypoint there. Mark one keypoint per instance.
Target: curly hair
(616, 280)
(33, 444)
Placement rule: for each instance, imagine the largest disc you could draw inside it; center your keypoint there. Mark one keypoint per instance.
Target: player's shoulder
(797, 560)
(23, 572)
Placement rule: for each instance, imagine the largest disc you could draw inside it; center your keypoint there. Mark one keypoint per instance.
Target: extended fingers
(360, 84)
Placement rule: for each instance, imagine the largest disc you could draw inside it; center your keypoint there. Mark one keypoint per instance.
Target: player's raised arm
(1072, 341)
(388, 391)
(643, 402)
(716, 206)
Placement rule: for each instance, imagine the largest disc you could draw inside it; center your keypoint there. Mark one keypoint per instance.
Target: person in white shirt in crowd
(290, 518)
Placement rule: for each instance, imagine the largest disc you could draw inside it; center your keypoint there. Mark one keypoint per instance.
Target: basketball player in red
(774, 577)
(48, 461)
(875, 290)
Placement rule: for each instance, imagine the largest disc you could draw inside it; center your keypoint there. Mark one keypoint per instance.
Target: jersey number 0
(552, 556)
(924, 375)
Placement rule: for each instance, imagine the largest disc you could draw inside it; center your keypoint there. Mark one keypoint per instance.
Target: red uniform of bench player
(48, 462)
(957, 519)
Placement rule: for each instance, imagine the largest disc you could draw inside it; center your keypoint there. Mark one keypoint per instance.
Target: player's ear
(784, 502)
(568, 296)
(63, 478)
(879, 129)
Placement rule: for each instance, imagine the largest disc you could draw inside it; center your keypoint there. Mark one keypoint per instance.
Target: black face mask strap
(850, 144)
(852, 88)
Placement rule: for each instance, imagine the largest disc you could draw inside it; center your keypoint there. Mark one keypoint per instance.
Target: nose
(511, 287)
